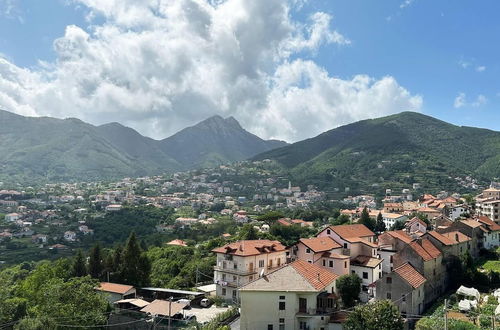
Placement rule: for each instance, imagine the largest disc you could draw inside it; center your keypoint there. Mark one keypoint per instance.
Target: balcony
(310, 312)
(232, 270)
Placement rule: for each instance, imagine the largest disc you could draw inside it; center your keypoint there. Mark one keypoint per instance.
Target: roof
(161, 307)
(181, 292)
(136, 302)
(114, 287)
(492, 225)
(320, 244)
(400, 234)
(177, 242)
(425, 249)
(441, 238)
(416, 220)
(366, 261)
(250, 247)
(207, 288)
(410, 275)
(471, 223)
(457, 236)
(355, 230)
(298, 276)
(334, 255)
(360, 240)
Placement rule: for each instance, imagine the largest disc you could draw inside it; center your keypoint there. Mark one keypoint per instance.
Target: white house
(69, 236)
(11, 217)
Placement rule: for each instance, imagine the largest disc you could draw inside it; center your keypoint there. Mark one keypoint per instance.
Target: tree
(382, 314)
(95, 262)
(79, 268)
(398, 225)
(349, 287)
(270, 217)
(248, 232)
(366, 219)
(380, 225)
(134, 269)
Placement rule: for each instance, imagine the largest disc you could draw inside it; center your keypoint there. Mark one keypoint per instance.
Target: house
(429, 212)
(177, 242)
(357, 242)
(39, 239)
(456, 211)
(115, 292)
(297, 296)
(452, 243)
(323, 251)
(393, 207)
(11, 217)
(415, 225)
(113, 208)
(389, 243)
(241, 262)
(472, 229)
(426, 258)
(185, 222)
(405, 287)
(69, 236)
(492, 235)
(390, 219)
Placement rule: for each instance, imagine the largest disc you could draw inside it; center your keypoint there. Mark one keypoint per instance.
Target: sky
(286, 69)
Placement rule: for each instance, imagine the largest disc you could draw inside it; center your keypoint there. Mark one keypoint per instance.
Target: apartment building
(242, 262)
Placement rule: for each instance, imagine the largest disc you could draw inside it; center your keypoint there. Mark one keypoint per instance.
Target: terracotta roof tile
(401, 235)
(114, 287)
(457, 236)
(355, 230)
(441, 238)
(471, 223)
(317, 276)
(250, 247)
(334, 255)
(492, 225)
(366, 261)
(410, 275)
(425, 249)
(320, 244)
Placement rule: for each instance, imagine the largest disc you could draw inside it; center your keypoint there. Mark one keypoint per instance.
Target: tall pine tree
(380, 224)
(135, 268)
(79, 268)
(96, 262)
(366, 220)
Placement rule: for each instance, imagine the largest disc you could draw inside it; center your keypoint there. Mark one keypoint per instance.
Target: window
(345, 245)
(282, 297)
(250, 279)
(403, 297)
(302, 325)
(353, 272)
(324, 262)
(271, 263)
(223, 277)
(282, 305)
(235, 292)
(390, 259)
(234, 278)
(282, 320)
(279, 261)
(235, 266)
(388, 280)
(330, 263)
(261, 263)
(308, 250)
(281, 327)
(345, 264)
(223, 291)
(328, 231)
(269, 327)
(388, 295)
(379, 274)
(365, 275)
(310, 261)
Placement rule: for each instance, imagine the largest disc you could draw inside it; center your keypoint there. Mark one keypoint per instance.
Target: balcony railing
(231, 270)
(314, 311)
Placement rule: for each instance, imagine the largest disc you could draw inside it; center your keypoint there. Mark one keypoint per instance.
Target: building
(323, 251)
(69, 236)
(405, 287)
(298, 296)
(390, 219)
(177, 242)
(492, 234)
(241, 262)
(470, 228)
(489, 207)
(415, 225)
(115, 292)
(113, 207)
(389, 243)
(11, 217)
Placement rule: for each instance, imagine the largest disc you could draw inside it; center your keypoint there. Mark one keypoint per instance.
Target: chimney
(318, 278)
(241, 247)
(456, 237)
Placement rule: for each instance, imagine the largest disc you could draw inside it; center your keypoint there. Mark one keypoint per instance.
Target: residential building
(241, 262)
(470, 228)
(323, 251)
(389, 243)
(113, 207)
(115, 292)
(489, 207)
(405, 287)
(11, 217)
(415, 225)
(392, 218)
(69, 236)
(492, 234)
(297, 296)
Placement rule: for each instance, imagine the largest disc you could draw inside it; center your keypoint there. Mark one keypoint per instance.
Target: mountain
(393, 151)
(52, 149)
(215, 141)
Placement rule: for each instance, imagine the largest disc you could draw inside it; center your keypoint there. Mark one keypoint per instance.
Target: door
(250, 267)
(302, 305)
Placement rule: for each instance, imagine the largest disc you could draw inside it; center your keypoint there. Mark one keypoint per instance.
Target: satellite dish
(261, 273)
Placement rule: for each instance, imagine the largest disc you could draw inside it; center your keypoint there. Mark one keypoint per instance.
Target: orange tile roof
(400, 234)
(453, 235)
(441, 238)
(284, 222)
(317, 276)
(250, 247)
(355, 230)
(320, 244)
(410, 275)
(114, 287)
(334, 255)
(427, 250)
(492, 225)
(471, 223)
(177, 242)
(366, 261)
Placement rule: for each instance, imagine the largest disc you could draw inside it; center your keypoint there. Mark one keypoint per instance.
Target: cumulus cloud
(480, 68)
(461, 101)
(159, 66)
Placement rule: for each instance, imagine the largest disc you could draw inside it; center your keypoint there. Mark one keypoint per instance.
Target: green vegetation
(349, 287)
(382, 314)
(393, 152)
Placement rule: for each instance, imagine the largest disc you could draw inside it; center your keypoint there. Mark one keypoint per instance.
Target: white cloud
(406, 3)
(480, 68)
(158, 66)
(461, 101)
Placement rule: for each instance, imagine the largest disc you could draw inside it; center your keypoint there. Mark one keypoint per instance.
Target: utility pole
(196, 283)
(446, 314)
(169, 312)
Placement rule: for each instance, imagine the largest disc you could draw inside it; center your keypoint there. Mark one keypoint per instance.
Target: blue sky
(445, 52)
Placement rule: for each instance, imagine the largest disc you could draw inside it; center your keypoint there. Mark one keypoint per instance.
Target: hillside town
(404, 246)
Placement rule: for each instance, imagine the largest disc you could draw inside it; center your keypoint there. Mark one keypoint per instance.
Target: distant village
(277, 286)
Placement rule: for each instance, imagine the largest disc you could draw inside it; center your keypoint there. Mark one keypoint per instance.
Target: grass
(493, 265)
